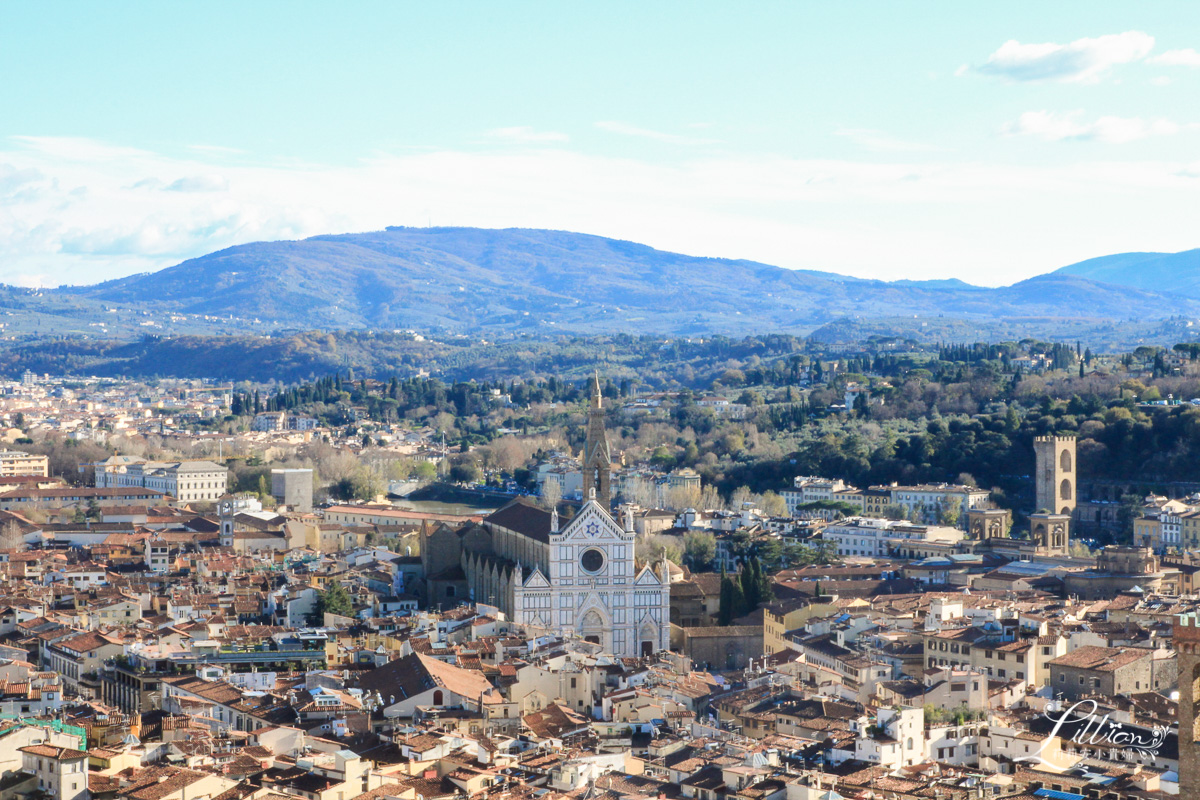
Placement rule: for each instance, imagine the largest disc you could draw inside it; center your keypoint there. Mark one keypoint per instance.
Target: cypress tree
(725, 614)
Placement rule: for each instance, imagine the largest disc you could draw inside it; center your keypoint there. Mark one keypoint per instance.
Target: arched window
(437, 697)
(1064, 489)
(1064, 461)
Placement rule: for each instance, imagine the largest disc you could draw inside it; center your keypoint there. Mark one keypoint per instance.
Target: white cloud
(73, 211)
(1177, 58)
(879, 141)
(625, 129)
(198, 183)
(523, 134)
(1080, 61)
(1111, 130)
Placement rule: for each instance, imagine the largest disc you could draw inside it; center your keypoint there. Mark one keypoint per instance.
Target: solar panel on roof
(1055, 795)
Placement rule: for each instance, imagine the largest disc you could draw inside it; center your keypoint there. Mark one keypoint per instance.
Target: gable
(593, 523)
(537, 581)
(647, 578)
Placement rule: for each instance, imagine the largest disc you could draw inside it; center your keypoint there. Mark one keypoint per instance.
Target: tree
(756, 588)
(772, 504)
(769, 552)
(699, 549)
(733, 603)
(653, 548)
(740, 495)
(749, 583)
(465, 472)
(11, 536)
(895, 511)
(334, 600)
(950, 512)
(551, 494)
(710, 499)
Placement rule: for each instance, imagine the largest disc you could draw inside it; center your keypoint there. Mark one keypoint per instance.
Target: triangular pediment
(537, 580)
(647, 578)
(593, 523)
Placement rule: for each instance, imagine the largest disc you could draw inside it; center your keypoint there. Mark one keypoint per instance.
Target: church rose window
(592, 560)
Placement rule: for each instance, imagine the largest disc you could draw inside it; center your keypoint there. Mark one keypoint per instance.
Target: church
(580, 578)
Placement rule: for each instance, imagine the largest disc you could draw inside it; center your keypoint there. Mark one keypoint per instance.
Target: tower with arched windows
(1055, 474)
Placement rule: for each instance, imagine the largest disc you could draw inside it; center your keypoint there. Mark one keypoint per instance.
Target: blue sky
(891, 140)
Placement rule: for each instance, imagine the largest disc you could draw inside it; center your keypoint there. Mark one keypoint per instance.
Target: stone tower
(225, 513)
(1055, 474)
(989, 523)
(597, 461)
(1051, 533)
(1186, 638)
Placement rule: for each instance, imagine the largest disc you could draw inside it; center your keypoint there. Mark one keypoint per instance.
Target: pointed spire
(596, 456)
(554, 519)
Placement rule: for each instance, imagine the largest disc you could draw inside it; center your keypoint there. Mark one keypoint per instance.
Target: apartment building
(15, 463)
(282, 421)
(61, 772)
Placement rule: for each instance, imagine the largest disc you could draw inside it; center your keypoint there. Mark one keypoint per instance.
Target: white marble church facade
(594, 589)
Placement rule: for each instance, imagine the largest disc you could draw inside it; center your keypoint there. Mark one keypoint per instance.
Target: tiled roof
(521, 516)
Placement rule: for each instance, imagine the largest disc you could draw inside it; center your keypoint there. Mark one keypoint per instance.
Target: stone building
(1108, 671)
(1055, 474)
(720, 648)
(1118, 569)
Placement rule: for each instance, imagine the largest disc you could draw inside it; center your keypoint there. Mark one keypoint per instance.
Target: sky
(986, 142)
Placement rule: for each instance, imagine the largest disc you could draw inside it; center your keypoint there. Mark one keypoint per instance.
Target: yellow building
(971, 647)
(875, 501)
(1147, 531)
(851, 496)
(788, 615)
(1189, 530)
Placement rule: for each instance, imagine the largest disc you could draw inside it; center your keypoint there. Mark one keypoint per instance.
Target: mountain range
(526, 280)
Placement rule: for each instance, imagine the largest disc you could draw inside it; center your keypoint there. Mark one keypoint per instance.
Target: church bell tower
(597, 461)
